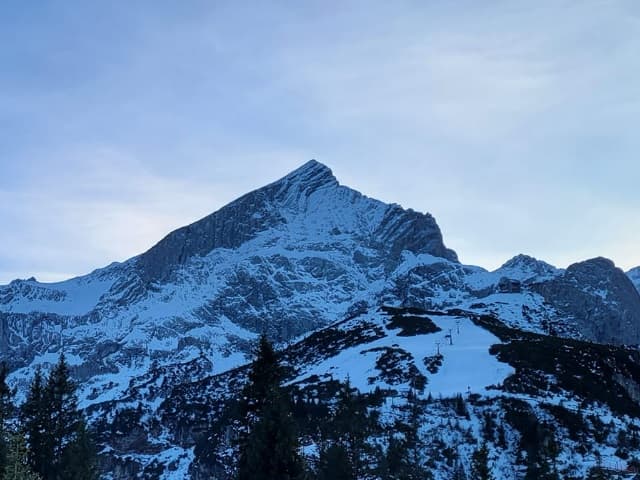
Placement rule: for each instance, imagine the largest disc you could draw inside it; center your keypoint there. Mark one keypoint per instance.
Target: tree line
(271, 423)
(46, 437)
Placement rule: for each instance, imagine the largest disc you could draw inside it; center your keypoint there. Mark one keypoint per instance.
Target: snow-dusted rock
(634, 275)
(167, 328)
(599, 298)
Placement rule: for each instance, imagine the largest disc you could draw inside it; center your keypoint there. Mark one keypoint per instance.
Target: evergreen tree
(58, 441)
(335, 464)
(351, 425)
(404, 456)
(6, 397)
(17, 465)
(265, 377)
(64, 417)
(414, 446)
(393, 463)
(480, 469)
(6, 411)
(542, 455)
(79, 461)
(489, 427)
(461, 406)
(35, 423)
(268, 443)
(551, 452)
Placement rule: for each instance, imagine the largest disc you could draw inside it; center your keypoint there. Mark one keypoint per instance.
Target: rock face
(311, 193)
(284, 259)
(634, 275)
(599, 298)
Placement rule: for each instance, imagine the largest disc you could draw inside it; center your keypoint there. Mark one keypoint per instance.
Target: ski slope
(467, 365)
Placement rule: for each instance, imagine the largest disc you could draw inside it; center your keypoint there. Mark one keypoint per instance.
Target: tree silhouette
(268, 442)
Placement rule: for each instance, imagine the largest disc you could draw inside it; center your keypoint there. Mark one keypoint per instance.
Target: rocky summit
(348, 287)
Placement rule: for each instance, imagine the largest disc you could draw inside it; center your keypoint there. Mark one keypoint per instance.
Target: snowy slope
(77, 296)
(390, 351)
(289, 259)
(465, 364)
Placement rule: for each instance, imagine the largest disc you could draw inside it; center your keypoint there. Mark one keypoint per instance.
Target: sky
(515, 123)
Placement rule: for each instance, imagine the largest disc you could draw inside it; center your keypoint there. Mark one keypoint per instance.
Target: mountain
(527, 268)
(287, 258)
(599, 298)
(350, 287)
(580, 395)
(634, 275)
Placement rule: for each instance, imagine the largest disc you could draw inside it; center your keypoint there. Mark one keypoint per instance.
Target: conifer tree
(265, 377)
(414, 446)
(268, 444)
(59, 444)
(6, 411)
(79, 462)
(64, 416)
(335, 464)
(551, 452)
(404, 456)
(461, 406)
(35, 423)
(17, 465)
(542, 455)
(480, 469)
(351, 425)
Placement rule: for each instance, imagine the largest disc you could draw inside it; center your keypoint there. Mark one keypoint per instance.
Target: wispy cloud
(513, 122)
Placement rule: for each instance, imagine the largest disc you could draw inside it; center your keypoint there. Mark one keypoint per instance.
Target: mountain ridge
(296, 257)
(285, 258)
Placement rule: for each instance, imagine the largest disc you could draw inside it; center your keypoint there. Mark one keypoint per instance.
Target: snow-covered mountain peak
(309, 203)
(369, 288)
(521, 260)
(286, 258)
(309, 176)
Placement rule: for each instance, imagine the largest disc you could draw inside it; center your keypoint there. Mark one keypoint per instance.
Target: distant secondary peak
(526, 268)
(597, 262)
(529, 263)
(520, 260)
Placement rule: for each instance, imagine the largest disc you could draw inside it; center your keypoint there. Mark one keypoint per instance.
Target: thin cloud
(512, 122)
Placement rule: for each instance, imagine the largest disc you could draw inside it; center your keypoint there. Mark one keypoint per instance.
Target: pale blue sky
(514, 122)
